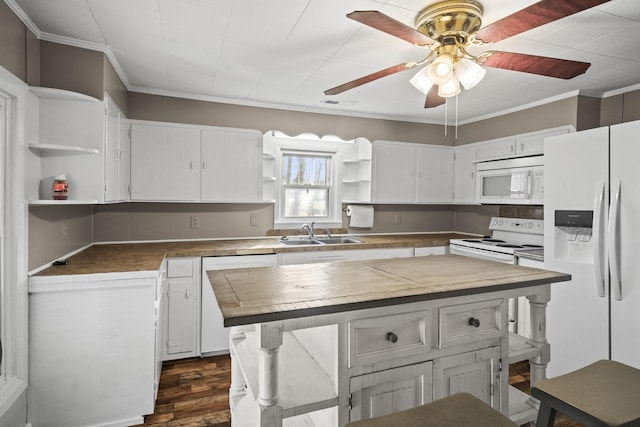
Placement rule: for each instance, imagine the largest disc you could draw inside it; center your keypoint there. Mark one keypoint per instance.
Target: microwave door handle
(598, 244)
(614, 255)
(529, 184)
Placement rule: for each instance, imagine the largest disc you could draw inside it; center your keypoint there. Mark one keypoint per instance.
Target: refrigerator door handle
(614, 255)
(598, 230)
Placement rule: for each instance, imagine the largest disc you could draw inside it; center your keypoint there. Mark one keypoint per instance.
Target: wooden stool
(459, 410)
(605, 393)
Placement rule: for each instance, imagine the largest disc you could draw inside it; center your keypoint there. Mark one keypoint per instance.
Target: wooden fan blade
(369, 78)
(545, 66)
(433, 99)
(384, 23)
(537, 14)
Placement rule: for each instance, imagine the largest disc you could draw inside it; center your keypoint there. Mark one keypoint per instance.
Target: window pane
(306, 202)
(304, 170)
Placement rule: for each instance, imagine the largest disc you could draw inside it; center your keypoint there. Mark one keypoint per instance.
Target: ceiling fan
(448, 28)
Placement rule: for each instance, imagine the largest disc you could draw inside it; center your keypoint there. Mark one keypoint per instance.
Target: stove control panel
(533, 226)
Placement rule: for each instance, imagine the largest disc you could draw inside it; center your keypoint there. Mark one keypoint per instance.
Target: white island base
(329, 369)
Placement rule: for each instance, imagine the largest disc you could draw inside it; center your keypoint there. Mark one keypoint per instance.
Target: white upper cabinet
(356, 172)
(411, 173)
(394, 172)
(435, 174)
(464, 174)
(231, 165)
(81, 137)
(165, 162)
(173, 162)
(502, 148)
(526, 144)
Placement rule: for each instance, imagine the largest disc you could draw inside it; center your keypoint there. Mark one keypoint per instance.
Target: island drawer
(465, 323)
(386, 337)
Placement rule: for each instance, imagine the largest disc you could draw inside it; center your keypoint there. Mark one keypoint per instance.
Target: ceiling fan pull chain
(446, 110)
(456, 131)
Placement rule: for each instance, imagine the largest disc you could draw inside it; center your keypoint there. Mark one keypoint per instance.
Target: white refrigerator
(593, 175)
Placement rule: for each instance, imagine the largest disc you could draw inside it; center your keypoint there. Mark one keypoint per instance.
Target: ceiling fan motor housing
(450, 18)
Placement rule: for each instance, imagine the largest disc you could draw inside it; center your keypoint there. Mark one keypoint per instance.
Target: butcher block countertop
(259, 295)
(133, 257)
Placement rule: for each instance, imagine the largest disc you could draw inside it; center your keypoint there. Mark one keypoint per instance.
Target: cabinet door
(533, 143)
(476, 372)
(464, 174)
(165, 162)
(181, 318)
(385, 392)
(116, 157)
(182, 308)
(435, 174)
(231, 165)
(394, 172)
(503, 148)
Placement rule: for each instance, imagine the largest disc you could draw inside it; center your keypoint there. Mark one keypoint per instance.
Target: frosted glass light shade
(469, 73)
(421, 81)
(441, 69)
(449, 88)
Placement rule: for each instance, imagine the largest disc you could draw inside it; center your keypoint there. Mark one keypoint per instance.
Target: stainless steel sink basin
(300, 242)
(337, 240)
(318, 241)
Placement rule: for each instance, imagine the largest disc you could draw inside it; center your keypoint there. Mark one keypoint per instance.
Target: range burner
(486, 239)
(509, 245)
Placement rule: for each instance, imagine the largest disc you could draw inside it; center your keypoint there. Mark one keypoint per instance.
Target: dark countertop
(131, 257)
(293, 291)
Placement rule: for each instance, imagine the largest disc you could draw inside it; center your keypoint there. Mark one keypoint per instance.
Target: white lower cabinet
(182, 311)
(92, 349)
(477, 372)
(385, 392)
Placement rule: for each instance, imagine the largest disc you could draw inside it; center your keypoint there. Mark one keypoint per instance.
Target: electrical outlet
(397, 219)
(64, 232)
(195, 222)
(253, 220)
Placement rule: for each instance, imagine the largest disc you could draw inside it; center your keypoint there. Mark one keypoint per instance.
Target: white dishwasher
(214, 337)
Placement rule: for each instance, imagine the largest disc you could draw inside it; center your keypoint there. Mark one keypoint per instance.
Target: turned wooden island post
(326, 344)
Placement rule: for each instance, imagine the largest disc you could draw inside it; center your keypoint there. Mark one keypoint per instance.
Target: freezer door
(625, 243)
(576, 174)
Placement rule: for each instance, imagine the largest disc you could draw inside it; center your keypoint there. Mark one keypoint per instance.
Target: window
(305, 183)
(306, 174)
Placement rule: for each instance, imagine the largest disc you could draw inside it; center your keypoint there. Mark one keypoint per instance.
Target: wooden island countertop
(259, 295)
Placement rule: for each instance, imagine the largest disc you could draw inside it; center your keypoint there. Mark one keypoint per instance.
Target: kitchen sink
(318, 241)
(337, 240)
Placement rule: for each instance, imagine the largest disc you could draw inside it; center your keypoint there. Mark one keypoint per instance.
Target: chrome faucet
(309, 229)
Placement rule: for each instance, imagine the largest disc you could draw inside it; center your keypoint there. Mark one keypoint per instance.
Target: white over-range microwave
(513, 181)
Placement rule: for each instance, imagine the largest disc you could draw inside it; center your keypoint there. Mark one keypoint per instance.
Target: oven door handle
(598, 234)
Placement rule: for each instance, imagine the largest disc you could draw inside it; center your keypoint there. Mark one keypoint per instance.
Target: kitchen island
(326, 344)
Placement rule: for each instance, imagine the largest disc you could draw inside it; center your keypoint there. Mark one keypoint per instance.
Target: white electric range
(508, 235)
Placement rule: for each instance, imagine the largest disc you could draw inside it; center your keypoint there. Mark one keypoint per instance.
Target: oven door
(482, 254)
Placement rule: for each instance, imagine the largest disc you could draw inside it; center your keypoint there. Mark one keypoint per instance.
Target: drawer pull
(392, 337)
(474, 322)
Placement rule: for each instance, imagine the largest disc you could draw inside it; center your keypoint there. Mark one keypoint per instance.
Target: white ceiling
(285, 53)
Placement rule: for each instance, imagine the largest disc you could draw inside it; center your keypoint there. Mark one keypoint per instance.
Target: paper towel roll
(361, 216)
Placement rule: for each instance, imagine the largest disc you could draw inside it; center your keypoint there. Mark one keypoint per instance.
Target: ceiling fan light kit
(448, 27)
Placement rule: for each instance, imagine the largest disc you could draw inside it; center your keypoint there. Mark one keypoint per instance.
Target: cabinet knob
(474, 322)
(392, 337)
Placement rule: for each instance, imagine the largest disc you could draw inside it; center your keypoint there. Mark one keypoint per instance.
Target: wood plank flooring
(195, 393)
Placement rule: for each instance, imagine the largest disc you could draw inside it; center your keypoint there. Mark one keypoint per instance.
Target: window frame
(310, 147)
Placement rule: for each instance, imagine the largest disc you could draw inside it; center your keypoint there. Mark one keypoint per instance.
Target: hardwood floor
(194, 393)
